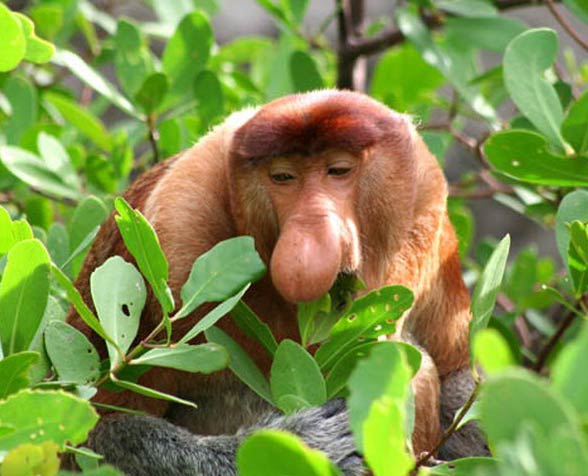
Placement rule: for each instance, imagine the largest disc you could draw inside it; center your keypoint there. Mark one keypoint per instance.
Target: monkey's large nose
(306, 259)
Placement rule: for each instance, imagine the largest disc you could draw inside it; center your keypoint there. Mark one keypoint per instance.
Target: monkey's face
(313, 199)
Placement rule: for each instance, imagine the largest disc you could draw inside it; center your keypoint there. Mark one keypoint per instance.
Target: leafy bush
(87, 103)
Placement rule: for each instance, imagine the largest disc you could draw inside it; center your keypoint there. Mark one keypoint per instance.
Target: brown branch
(448, 432)
(566, 25)
(520, 324)
(545, 352)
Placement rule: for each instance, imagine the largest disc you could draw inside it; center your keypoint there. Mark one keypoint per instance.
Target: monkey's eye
(338, 171)
(282, 177)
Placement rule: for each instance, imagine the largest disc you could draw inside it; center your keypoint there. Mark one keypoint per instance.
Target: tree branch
(566, 25)
(545, 352)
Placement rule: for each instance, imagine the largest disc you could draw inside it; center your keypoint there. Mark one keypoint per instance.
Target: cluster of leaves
(68, 148)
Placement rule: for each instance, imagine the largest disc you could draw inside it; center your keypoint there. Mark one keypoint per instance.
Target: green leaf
(273, 452)
(132, 58)
(84, 121)
(57, 159)
(295, 373)
(451, 62)
(12, 232)
(74, 297)
(23, 294)
(574, 206)
(487, 288)
(87, 217)
(578, 256)
(294, 10)
(491, 351)
(119, 295)
(569, 374)
(575, 126)
(31, 459)
(240, 363)
(32, 170)
(383, 376)
(22, 96)
(468, 8)
(14, 372)
(525, 60)
(39, 416)
(525, 156)
(403, 79)
(274, 10)
(152, 92)
(12, 40)
(377, 311)
(489, 33)
(337, 378)
(142, 242)
(463, 221)
(204, 358)
(213, 316)
(187, 52)
(75, 359)
(149, 392)
(37, 49)
(579, 8)
(510, 402)
(209, 94)
(254, 327)
(304, 72)
(220, 273)
(92, 78)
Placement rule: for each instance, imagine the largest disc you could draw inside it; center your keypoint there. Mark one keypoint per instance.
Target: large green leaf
(152, 92)
(525, 156)
(525, 60)
(57, 160)
(32, 170)
(304, 72)
(12, 40)
(204, 358)
(376, 311)
(208, 92)
(241, 364)
(132, 58)
(75, 359)
(273, 453)
(83, 120)
(23, 294)
(220, 273)
(490, 33)
(487, 288)
(22, 96)
(14, 372)
(187, 52)
(575, 125)
(119, 294)
(142, 242)
(574, 206)
(468, 8)
(296, 381)
(39, 416)
(254, 327)
(37, 49)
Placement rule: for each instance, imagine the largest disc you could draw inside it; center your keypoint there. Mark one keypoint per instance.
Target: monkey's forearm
(142, 445)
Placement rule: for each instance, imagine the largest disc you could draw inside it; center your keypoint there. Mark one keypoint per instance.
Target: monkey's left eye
(282, 177)
(338, 171)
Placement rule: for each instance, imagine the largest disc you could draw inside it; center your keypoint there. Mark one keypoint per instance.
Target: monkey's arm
(142, 445)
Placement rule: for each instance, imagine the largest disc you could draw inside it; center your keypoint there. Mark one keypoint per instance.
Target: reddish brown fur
(213, 191)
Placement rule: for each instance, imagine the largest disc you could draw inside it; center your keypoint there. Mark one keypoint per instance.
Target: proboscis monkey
(326, 182)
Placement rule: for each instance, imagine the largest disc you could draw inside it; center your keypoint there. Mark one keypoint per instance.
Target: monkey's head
(326, 183)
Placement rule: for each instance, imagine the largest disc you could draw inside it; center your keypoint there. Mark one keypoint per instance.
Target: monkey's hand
(142, 445)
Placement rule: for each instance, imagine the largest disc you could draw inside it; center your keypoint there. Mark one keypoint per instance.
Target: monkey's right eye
(282, 177)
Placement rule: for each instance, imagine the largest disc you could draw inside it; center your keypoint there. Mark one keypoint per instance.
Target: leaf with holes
(525, 156)
(75, 359)
(119, 294)
(372, 314)
(295, 373)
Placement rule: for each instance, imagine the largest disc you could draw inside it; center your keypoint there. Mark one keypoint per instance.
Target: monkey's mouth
(345, 289)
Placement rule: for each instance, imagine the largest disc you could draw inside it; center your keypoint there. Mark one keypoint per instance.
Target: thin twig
(566, 25)
(153, 137)
(448, 432)
(545, 352)
(520, 324)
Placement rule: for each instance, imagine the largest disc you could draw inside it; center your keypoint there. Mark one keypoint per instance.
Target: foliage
(88, 101)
